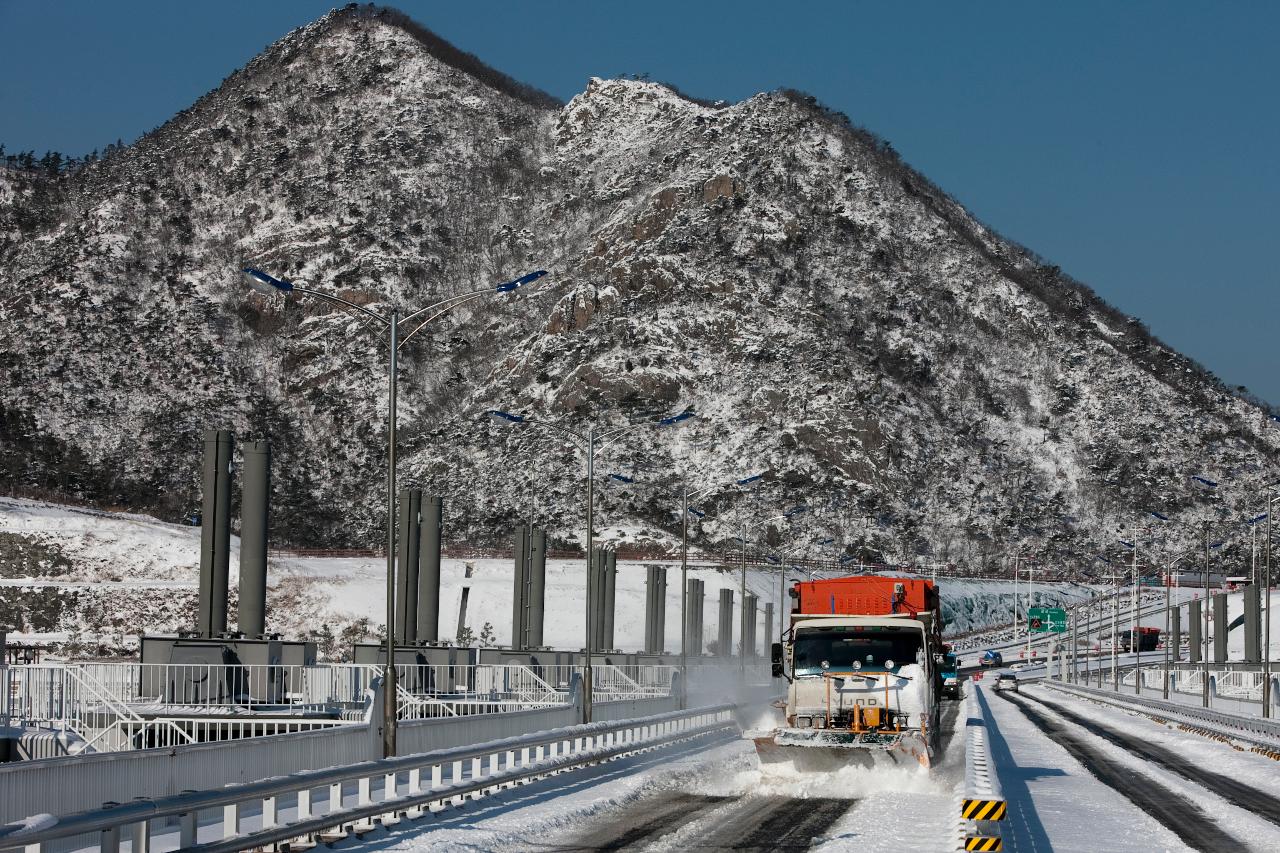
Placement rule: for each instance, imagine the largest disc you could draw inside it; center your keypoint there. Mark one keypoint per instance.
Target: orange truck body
(867, 595)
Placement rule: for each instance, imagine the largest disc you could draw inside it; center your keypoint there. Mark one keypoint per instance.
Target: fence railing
(110, 706)
(303, 805)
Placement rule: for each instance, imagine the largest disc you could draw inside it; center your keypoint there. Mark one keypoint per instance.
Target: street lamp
(267, 284)
(591, 441)
(1266, 643)
(742, 619)
(687, 509)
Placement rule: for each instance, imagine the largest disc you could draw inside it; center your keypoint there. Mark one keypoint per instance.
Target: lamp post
(688, 496)
(742, 620)
(1135, 619)
(1170, 642)
(591, 442)
(1266, 631)
(264, 283)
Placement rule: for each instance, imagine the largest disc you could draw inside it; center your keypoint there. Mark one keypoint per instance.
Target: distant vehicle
(1148, 640)
(992, 658)
(1019, 667)
(1007, 681)
(949, 672)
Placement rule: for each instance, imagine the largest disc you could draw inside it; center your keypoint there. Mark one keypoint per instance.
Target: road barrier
(1261, 735)
(982, 804)
(358, 797)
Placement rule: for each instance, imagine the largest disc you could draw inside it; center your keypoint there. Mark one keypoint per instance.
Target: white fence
(100, 706)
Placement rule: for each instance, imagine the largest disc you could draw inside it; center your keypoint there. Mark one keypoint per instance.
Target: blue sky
(1134, 144)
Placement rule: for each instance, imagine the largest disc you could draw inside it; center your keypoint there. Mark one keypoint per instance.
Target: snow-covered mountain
(929, 390)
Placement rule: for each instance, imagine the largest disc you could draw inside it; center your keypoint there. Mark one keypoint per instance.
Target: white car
(1019, 667)
(1006, 681)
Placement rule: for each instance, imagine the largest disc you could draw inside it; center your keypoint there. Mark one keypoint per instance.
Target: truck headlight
(819, 722)
(803, 722)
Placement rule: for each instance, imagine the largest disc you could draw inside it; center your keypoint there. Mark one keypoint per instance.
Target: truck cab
(860, 672)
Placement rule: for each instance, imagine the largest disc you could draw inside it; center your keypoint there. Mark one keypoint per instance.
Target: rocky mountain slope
(929, 390)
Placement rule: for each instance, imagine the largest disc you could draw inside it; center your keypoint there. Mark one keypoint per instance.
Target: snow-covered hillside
(96, 579)
(933, 392)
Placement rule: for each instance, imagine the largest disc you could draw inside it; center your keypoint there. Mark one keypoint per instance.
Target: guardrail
(359, 796)
(1262, 734)
(982, 803)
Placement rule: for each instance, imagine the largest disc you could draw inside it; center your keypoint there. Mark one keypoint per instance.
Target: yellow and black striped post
(982, 842)
(983, 810)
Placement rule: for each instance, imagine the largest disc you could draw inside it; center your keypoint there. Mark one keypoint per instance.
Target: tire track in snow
(1174, 811)
(689, 822)
(1233, 791)
(647, 820)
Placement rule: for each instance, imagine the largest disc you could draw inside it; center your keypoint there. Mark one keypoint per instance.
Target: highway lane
(1176, 812)
(686, 821)
(1230, 789)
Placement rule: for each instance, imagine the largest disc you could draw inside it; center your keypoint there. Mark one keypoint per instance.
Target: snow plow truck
(862, 659)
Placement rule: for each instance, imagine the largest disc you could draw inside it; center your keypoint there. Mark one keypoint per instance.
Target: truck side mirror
(775, 657)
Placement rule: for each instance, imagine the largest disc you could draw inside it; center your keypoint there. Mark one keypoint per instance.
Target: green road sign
(1052, 620)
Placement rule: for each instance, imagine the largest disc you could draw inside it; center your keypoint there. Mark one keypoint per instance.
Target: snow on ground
(1258, 770)
(92, 549)
(1054, 802)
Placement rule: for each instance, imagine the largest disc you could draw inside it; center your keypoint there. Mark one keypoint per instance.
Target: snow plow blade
(823, 750)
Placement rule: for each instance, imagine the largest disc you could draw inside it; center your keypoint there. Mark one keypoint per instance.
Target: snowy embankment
(99, 578)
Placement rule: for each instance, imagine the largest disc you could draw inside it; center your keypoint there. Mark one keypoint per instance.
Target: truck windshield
(840, 646)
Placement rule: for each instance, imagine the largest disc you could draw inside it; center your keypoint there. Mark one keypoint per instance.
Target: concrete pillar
(768, 628)
(1253, 623)
(749, 647)
(215, 532)
(1194, 621)
(430, 530)
(660, 613)
(1175, 633)
(595, 579)
(655, 609)
(520, 588)
(724, 639)
(649, 585)
(1220, 628)
(610, 588)
(700, 617)
(537, 586)
(407, 548)
(255, 495)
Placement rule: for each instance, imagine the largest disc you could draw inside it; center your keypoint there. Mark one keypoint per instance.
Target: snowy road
(713, 798)
(1075, 772)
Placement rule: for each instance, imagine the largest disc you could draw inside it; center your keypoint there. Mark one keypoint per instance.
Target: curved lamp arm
(447, 305)
(264, 283)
